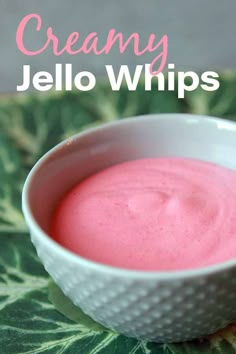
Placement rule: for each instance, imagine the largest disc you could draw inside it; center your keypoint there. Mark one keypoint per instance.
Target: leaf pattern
(35, 317)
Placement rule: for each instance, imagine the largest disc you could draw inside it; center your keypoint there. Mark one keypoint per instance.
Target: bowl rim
(35, 228)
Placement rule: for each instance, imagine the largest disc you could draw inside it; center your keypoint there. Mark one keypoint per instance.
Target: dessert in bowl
(151, 214)
(158, 301)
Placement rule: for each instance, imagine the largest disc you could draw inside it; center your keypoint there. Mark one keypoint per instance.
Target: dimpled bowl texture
(155, 306)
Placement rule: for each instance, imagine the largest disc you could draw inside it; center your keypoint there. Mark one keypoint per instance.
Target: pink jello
(151, 214)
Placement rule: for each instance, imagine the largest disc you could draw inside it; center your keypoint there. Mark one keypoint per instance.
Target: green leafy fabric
(35, 317)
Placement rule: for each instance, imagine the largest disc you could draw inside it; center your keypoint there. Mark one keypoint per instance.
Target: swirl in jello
(151, 214)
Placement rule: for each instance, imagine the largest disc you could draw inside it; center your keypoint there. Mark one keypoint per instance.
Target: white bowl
(156, 306)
